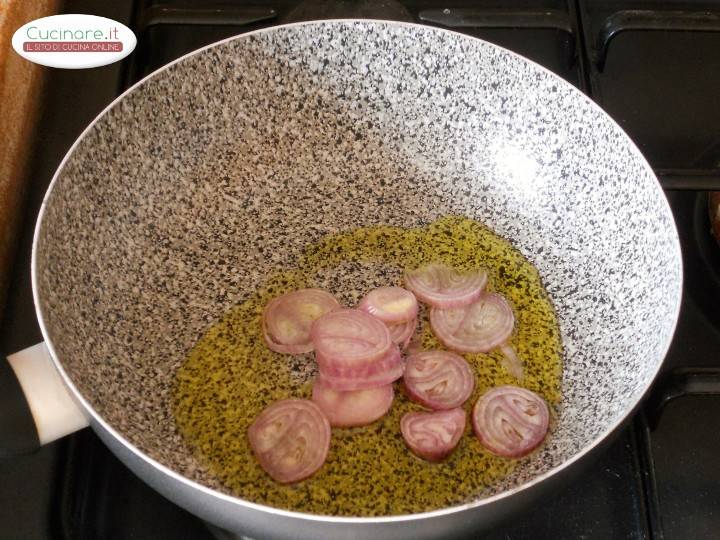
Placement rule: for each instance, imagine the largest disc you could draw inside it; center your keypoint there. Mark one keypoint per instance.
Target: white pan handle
(53, 410)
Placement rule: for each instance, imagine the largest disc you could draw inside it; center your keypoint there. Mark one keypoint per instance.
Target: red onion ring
(338, 367)
(444, 287)
(477, 327)
(439, 380)
(510, 421)
(355, 408)
(383, 371)
(390, 304)
(433, 435)
(287, 319)
(290, 439)
(351, 337)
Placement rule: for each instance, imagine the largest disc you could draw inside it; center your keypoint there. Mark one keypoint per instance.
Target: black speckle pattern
(183, 195)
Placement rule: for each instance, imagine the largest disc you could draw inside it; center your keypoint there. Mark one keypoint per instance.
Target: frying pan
(196, 183)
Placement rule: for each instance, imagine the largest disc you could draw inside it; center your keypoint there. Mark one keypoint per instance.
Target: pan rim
(239, 502)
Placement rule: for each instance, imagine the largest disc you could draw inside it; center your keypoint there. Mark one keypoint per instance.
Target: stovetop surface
(653, 66)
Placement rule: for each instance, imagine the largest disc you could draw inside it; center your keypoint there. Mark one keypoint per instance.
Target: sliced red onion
(387, 369)
(338, 367)
(433, 435)
(350, 336)
(444, 287)
(510, 421)
(414, 346)
(477, 327)
(287, 319)
(355, 408)
(511, 362)
(402, 333)
(290, 439)
(439, 380)
(390, 304)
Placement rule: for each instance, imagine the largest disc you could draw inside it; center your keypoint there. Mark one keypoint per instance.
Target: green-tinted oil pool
(230, 376)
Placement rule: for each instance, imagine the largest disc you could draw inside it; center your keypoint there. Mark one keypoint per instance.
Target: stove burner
(311, 10)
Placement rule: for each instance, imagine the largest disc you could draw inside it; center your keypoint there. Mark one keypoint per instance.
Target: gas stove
(652, 65)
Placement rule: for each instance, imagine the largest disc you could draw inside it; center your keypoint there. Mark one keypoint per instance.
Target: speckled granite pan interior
(186, 192)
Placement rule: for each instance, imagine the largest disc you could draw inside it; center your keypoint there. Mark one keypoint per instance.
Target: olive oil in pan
(231, 375)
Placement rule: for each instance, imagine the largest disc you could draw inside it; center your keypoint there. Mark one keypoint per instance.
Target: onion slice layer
(478, 327)
(287, 319)
(433, 435)
(438, 379)
(351, 337)
(444, 287)
(390, 304)
(383, 371)
(355, 408)
(402, 333)
(510, 421)
(290, 439)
